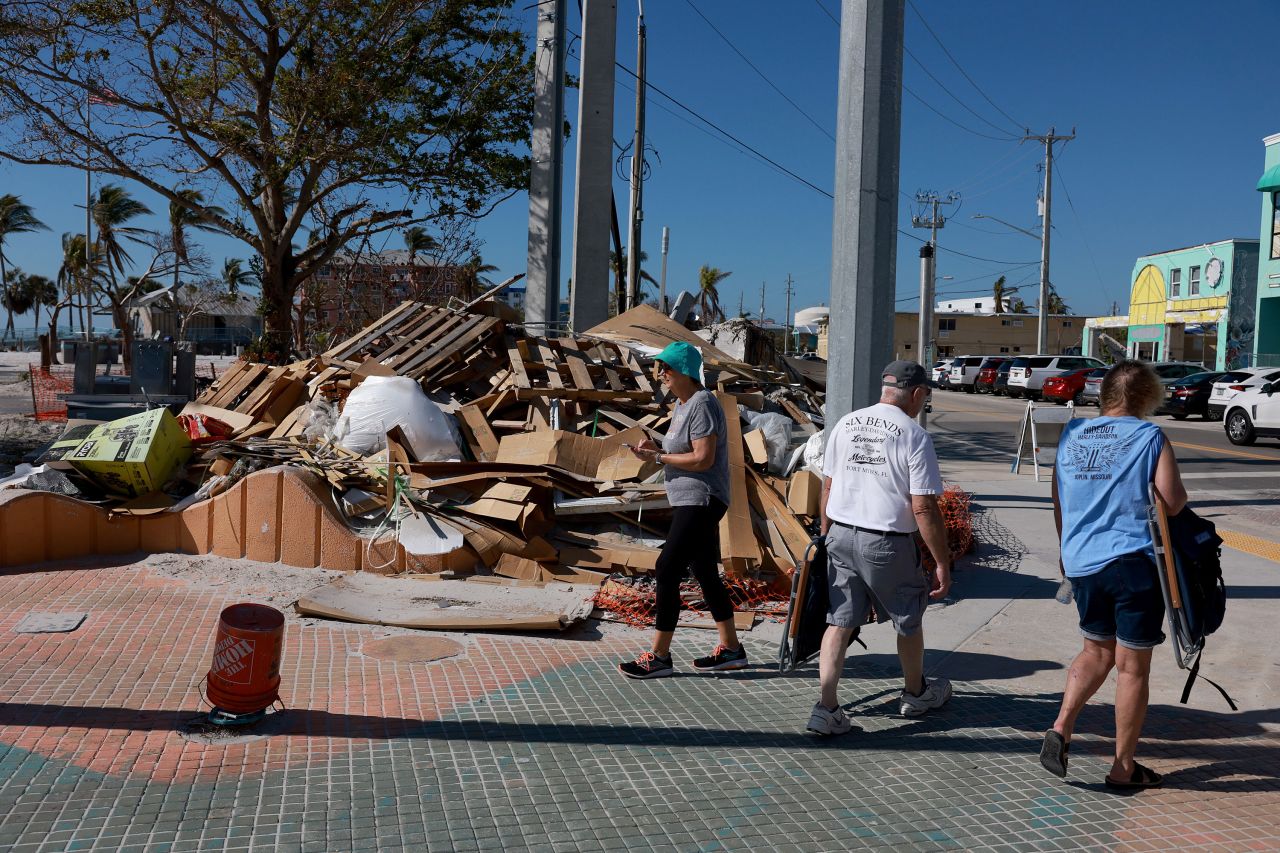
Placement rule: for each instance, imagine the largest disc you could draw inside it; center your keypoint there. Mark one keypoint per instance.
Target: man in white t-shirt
(881, 484)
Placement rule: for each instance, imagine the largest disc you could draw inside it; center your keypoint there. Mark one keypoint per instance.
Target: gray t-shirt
(698, 418)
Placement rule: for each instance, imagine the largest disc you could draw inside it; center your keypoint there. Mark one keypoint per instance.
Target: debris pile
(487, 451)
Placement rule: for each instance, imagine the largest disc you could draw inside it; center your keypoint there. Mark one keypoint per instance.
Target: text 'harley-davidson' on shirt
(877, 458)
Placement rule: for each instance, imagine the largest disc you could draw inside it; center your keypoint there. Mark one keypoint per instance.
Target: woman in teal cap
(695, 460)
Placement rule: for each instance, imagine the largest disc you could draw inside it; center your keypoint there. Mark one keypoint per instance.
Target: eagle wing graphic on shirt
(1093, 456)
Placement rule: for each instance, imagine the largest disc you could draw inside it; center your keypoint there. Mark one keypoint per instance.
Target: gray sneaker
(935, 695)
(825, 722)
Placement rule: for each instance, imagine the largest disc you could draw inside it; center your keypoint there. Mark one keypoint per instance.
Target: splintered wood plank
(475, 421)
(244, 381)
(638, 374)
(370, 333)
(610, 374)
(794, 411)
(224, 381)
(517, 368)
(549, 361)
(473, 332)
(434, 326)
(262, 391)
(577, 364)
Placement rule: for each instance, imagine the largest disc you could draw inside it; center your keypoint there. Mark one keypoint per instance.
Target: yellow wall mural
(1147, 302)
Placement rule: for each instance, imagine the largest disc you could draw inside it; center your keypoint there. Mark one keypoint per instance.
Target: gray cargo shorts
(871, 568)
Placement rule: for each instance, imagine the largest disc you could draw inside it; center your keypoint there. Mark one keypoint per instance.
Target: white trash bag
(380, 403)
(814, 449)
(777, 436)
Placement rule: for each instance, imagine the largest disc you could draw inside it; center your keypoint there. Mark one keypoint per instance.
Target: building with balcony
(1266, 341)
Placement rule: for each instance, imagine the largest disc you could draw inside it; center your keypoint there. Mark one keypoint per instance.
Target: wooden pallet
(258, 390)
(424, 342)
(576, 370)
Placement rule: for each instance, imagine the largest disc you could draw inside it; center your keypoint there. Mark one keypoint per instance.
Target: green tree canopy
(341, 118)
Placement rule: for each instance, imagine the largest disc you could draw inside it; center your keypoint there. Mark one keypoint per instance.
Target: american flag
(103, 95)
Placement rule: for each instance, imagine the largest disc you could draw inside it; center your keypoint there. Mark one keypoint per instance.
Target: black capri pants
(693, 542)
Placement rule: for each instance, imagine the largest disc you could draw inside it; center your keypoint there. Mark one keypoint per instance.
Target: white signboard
(1038, 435)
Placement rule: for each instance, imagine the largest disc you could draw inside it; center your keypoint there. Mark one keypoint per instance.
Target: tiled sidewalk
(532, 743)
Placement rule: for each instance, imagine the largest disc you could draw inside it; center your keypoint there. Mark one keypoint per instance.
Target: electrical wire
(949, 119)
(953, 96)
(1106, 289)
(813, 121)
(966, 254)
(826, 11)
(1020, 126)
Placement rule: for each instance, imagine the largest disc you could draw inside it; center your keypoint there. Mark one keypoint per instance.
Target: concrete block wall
(278, 515)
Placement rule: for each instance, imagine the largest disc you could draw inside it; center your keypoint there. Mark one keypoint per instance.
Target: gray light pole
(864, 234)
(542, 295)
(1042, 333)
(662, 277)
(924, 338)
(637, 169)
(593, 182)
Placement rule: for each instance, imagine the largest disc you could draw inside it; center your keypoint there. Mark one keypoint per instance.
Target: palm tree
(17, 296)
(471, 277)
(112, 210)
(43, 292)
(182, 217)
(234, 276)
(619, 265)
(416, 239)
(708, 295)
(75, 276)
(15, 218)
(1018, 306)
(1057, 305)
(998, 290)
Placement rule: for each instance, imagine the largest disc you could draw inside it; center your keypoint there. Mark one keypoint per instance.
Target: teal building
(1191, 304)
(1266, 348)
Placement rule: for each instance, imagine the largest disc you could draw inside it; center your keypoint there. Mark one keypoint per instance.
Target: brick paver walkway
(531, 743)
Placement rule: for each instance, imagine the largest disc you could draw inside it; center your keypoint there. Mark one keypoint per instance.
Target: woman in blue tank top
(1103, 471)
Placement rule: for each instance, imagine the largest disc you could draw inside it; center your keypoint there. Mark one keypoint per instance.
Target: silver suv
(963, 372)
(1028, 372)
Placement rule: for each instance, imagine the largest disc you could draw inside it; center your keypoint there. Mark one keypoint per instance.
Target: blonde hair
(1131, 387)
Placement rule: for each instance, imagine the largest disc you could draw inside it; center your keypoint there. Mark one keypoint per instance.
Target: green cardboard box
(134, 455)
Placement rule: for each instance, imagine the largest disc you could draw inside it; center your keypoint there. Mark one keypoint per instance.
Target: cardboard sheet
(448, 605)
(739, 550)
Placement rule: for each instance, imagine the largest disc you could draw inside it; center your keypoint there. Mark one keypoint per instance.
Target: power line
(1017, 124)
(943, 87)
(826, 12)
(774, 163)
(967, 255)
(948, 118)
(1083, 234)
(761, 74)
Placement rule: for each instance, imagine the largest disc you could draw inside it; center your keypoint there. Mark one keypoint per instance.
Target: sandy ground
(20, 435)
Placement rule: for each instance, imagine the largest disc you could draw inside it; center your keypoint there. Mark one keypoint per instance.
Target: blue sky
(1170, 101)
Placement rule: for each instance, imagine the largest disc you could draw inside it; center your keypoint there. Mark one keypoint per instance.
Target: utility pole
(925, 336)
(637, 169)
(542, 299)
(662, 277)
(864, 240)
(88, 232)
(741, 313)
(1042, 333)
(927, 286)
(786, 338)
(593, 182)
(762, 304)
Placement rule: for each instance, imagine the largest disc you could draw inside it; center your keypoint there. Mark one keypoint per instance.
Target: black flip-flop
(1143, 777)
(1053, 754)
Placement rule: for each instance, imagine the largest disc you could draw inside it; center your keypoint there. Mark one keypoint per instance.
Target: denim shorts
(1122, 602)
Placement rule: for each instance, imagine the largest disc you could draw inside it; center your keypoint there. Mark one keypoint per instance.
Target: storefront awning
(1270, 180)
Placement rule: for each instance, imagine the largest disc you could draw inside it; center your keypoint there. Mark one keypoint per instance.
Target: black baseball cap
(904, 374)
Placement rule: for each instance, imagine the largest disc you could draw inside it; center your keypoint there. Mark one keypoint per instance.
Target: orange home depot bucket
(245, 676)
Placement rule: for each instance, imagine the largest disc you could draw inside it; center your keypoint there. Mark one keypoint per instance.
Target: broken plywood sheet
(649, 326)
(448, 605)
(739, 550)
(603, 458)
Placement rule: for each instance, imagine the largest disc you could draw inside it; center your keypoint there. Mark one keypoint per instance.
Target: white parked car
(938, 373)
(1028, 373)
(963, 372)
(1254, 413)
(1235, 382)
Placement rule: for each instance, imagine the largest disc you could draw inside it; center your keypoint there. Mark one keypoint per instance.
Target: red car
(1065, 387)
(986, 381)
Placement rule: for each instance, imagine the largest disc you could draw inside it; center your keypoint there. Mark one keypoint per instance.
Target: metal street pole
(662, 277)
(88, 230)
(786, 337)
(637, 169)
(593, 182)
(864, 232)
(542, 294)
(924, 337)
